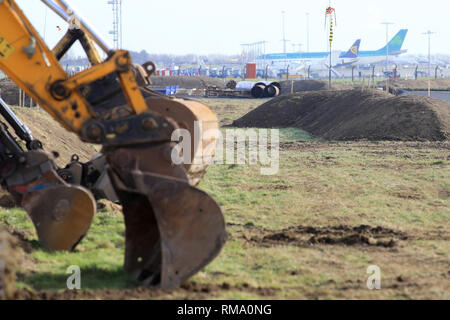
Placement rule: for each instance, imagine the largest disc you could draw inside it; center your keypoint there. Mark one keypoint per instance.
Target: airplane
(304, 67)
(394, 48)
(320, 65)
(311, 58)
(353, 56)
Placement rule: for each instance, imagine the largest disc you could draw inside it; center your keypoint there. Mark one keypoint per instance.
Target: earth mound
(355, 115)
(308, 85)
(188, 82)
(9, 260)
(419, 85)
(54, 136)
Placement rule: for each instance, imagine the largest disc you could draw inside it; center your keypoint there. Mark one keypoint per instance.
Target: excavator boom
(172, 228)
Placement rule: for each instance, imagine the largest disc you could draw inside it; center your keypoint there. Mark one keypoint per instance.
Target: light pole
(307, 32)
(117, 22)
(284, 38)
(245, 49)
(387, 43)
(264, 44)
(429, 33)
(284, 32)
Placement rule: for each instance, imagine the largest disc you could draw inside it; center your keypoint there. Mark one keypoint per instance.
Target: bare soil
(9, 259)
(355, 115)
(188, 291)
(54, 137)
(419, 85)
(309, 85)
(188, 82)
(306, 236)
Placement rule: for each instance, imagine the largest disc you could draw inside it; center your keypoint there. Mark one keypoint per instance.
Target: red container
(251, 71)
(166, 72)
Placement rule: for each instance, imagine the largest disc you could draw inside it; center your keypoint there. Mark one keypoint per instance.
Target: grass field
(309, 232)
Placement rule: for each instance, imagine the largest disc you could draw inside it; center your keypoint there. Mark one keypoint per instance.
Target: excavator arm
(172, 228)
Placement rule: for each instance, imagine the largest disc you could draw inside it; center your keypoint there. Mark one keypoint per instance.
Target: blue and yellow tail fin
(353, 52)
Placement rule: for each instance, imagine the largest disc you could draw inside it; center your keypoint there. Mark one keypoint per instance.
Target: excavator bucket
(202, 125)
(173, 230)
(61, 213)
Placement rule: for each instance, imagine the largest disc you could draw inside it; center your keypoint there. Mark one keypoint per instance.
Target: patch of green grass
(100, 255)
(295, 135)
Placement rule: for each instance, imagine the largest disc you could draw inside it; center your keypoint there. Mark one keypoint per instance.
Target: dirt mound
(419, 85)
(309, 85)
(54, 137)
(355, 115)
(338, 235)
(188, 82)
(44, 128)
(9, 260)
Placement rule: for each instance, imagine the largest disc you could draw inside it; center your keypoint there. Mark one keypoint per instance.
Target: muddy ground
(351, 115)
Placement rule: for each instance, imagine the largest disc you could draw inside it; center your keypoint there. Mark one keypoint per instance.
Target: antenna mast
(116, 32)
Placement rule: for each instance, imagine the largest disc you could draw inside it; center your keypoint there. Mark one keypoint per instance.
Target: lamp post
(307, 32)
(284, 37)
(284, 32)
(429, 34)
(387, 43)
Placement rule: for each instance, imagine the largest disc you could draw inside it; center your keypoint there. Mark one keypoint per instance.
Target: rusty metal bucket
(61, 213)
(202, 124)
(173, 230)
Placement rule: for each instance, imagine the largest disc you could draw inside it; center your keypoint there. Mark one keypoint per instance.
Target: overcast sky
(212, 26)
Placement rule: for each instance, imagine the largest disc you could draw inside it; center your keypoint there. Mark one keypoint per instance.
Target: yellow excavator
(173, 229)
